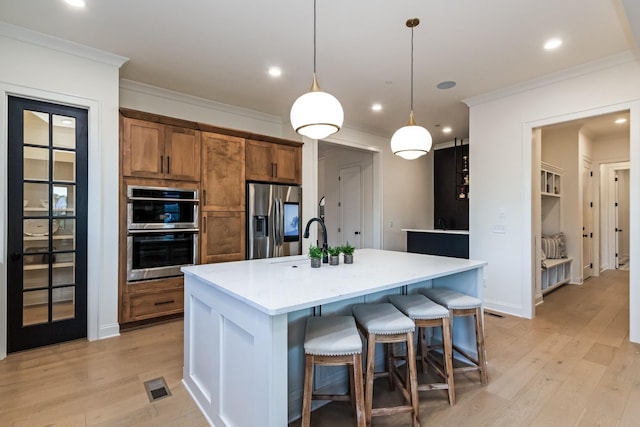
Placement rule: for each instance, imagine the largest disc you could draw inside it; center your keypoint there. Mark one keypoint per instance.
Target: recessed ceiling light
(552, 43)
(66, 121)
(446, 84)
(76, 3)
(446, 129)
(620, 120)
(275, 71)
(376, 107)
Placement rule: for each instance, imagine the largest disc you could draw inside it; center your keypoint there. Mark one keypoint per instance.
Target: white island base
(244, 324)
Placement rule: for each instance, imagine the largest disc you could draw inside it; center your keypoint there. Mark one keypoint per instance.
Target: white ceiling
(220, 50)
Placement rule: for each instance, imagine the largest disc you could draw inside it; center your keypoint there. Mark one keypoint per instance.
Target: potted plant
(347, 251)
(334, 255)
(315, 254)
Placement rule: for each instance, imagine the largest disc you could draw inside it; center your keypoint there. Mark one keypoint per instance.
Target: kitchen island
(244, 324)
(453, 243)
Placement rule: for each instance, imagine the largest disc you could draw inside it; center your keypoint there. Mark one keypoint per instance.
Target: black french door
(47, 224)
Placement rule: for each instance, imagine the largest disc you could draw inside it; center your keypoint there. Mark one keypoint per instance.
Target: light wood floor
(571, 366)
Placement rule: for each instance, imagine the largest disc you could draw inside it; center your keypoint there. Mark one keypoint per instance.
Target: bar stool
(427, 314)
(383, 323)
(461, 305)
(333, 341)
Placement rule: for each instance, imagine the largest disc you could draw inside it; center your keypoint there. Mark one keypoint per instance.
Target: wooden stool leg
(368, 387)
(413, 378)
(308, 391)
(482, 357)
(447, 354)
(422, 343)
(358, 392)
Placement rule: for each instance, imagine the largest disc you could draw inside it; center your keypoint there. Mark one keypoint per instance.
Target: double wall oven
(162, 231)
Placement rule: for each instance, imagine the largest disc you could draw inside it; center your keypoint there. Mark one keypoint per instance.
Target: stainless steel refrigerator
(273, 220)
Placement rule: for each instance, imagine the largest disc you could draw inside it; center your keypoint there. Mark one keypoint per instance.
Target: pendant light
(316, 114)
(411, 141)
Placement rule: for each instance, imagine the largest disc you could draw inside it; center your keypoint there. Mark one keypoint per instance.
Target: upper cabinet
(155, 150)
(223, 187)
(272, 162)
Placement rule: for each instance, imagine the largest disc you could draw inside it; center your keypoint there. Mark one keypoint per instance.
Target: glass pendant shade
(316, 114)
(411, 141)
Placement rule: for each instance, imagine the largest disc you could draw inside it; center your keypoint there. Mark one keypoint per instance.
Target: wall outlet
(499, 228)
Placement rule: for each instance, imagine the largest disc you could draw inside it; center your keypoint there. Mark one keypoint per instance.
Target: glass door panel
(35, 308)
(64, 166)
(36, 128)
(64, 132)
(36, 163)
(64, 199)
(63, 306)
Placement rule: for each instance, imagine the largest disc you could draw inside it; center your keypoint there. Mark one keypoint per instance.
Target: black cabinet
(451, 210)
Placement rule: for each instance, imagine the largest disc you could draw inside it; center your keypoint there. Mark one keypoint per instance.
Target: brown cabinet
(271, 162)
(155, 150)
(222, 228)
(222, 183)
(222, 237)
(150, 299)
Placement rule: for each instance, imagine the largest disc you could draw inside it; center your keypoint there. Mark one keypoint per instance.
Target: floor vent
(156, 389)
(500, 316)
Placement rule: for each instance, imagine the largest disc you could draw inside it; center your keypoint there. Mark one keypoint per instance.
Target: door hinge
(339, 229)
(590, 204)
(616, 255)
(591, 173)
(339, 178)
(591, 235)
(616, 179)
(616, 204)
(590, 265)
(339, 204)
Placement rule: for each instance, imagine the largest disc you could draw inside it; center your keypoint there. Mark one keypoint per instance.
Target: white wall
(36, 66)
(501, 125)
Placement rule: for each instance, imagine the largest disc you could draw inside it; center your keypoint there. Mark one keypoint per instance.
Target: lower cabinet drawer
(144, 306)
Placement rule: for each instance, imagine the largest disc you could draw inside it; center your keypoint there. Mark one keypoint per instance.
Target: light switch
(499, 228)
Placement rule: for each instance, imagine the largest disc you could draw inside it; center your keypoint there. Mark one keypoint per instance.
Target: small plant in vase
(347, 251)
(334, 255)
(315, 254)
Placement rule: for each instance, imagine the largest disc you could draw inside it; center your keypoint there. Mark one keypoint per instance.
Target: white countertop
(437, 230)
(282, 285)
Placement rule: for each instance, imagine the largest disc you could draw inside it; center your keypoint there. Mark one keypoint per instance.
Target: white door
(350, 205)
(587, 221)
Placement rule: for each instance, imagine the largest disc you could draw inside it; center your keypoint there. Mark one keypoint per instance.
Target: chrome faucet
(325, 256)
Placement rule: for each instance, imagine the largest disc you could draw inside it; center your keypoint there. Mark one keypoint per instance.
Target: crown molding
(44, 40)
(569, 73)
(171, 95)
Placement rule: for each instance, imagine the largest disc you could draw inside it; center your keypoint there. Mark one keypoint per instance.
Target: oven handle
(155, 199)
(165, 231)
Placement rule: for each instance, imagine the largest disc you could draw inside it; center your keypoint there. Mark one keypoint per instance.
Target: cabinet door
(259, 161)
(288, 162)
(223, 237)
(223, 183)
(182, 154)
(142, 148)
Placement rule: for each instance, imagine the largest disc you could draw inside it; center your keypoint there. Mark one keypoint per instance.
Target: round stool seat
(332, 336)
(451, 299)
(418, 307)
(382, 319)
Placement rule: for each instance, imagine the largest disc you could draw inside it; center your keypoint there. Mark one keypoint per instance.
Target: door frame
(96, 222)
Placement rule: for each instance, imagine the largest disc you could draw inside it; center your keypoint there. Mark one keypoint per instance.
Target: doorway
(47, 223)
(343, 214)
(579, 151)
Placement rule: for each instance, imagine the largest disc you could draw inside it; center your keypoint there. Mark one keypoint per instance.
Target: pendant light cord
(411, 69)
(314, 37)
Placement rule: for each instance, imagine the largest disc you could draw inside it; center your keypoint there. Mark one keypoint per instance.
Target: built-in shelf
(45, 266)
